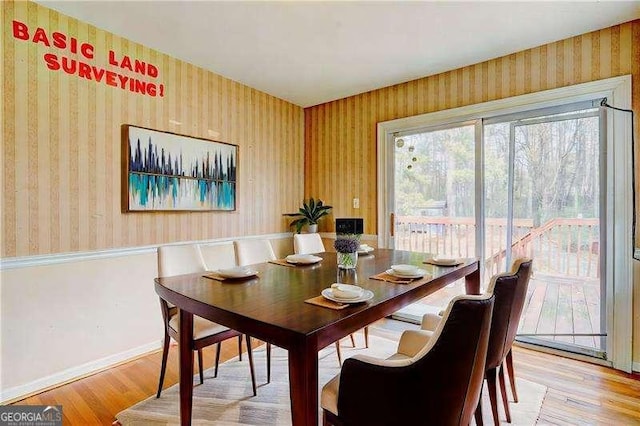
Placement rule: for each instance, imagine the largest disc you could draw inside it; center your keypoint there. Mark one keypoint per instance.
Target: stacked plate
(441, 261)
(345, 293)
(365, 249)
(303, 259)
(238, 272)
(406, 271)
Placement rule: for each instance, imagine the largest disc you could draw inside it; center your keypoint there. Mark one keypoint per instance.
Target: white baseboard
(636, 367)
(74, 373)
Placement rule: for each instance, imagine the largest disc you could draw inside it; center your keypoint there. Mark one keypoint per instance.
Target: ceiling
(310, 52)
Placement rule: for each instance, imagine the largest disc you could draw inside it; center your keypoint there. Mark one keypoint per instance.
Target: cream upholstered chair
(249, 252)
(312, 244)
(510, 290)
(186, 259)
(437, 382)
(307, 244)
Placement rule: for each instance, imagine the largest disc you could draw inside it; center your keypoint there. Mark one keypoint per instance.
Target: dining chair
(433, 378)
(510, 290)
(186, 259)
(307, 244)
(249, 252)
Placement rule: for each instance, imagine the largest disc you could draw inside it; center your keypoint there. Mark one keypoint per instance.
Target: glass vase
(347, 260)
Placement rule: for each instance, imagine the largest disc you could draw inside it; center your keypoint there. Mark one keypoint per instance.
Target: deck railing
(560, 246)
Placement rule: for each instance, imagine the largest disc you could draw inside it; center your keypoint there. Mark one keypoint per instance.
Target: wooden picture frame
(168, 172)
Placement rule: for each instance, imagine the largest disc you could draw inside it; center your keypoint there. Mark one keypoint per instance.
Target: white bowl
(404, 269)
(346, 291)
(237, 272)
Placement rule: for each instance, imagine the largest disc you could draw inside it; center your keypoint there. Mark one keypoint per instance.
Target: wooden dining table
(271, 307)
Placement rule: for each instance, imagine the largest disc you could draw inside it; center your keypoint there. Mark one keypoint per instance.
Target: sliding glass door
(434, 200)
(543, 189)
(534, 181)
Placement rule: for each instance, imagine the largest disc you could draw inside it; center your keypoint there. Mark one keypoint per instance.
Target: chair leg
(503, 391)
(491, 385)
(200, 366)
(353, 341)
(366, 337)
(478, 413)
(268, 362)
(512, 377)
(338, 352)
(240, 347)
(215, 371)
(163, 368)
(253, 371)
(325, 421)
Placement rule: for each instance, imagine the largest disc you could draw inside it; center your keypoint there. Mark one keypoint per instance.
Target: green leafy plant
(309, 213)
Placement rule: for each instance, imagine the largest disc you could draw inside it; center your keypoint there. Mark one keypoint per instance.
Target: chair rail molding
(58, 258)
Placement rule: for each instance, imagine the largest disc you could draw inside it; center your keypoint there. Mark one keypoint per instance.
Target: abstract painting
(170, 172)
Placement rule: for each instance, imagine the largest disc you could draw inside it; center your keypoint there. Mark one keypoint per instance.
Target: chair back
(510, 290)
(307, 244)
(249, 252)
(179, 260)
(441, 385)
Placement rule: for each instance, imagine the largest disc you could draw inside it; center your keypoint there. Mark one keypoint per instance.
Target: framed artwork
(164, 171)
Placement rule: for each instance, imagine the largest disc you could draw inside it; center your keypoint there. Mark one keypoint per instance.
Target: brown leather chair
(510, 290)
(177, 260)
(439, 384)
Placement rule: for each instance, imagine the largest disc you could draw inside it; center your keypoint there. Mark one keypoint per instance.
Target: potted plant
(309, 214)
(347, 249)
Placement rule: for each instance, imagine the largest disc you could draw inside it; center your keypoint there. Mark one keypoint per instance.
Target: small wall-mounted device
(350, 225)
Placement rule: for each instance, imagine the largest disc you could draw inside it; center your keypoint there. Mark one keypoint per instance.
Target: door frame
(619, 250)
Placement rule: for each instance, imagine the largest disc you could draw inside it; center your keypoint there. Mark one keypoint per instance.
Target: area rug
(228, 399)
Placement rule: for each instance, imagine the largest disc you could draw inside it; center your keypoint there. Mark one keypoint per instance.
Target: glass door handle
(392, 225)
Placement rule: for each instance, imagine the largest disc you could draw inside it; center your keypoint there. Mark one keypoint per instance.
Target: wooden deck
(554, 305)
(560, 305)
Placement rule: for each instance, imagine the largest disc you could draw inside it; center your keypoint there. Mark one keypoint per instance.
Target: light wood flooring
(578, 393)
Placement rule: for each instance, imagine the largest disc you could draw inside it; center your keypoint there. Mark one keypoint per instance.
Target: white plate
(404, 269)
(303, 259)
(365, 250)
(366, 295)
(237, 272)
(418, 274)
(444, 262)
(353, 291)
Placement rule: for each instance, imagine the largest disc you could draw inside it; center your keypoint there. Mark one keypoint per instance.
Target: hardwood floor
(578, 393)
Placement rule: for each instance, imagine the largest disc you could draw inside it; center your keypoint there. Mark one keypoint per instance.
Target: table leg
(303, 384)
(186, 366)
(472, 281)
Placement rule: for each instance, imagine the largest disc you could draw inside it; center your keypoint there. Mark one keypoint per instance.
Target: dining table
(271, 306)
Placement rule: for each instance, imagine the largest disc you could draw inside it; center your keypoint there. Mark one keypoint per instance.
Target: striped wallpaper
(340, 136)
(61, 147)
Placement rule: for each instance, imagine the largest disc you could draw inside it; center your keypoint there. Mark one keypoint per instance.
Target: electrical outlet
(356, 203)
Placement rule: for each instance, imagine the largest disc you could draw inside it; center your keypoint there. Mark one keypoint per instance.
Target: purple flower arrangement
(343, 245)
